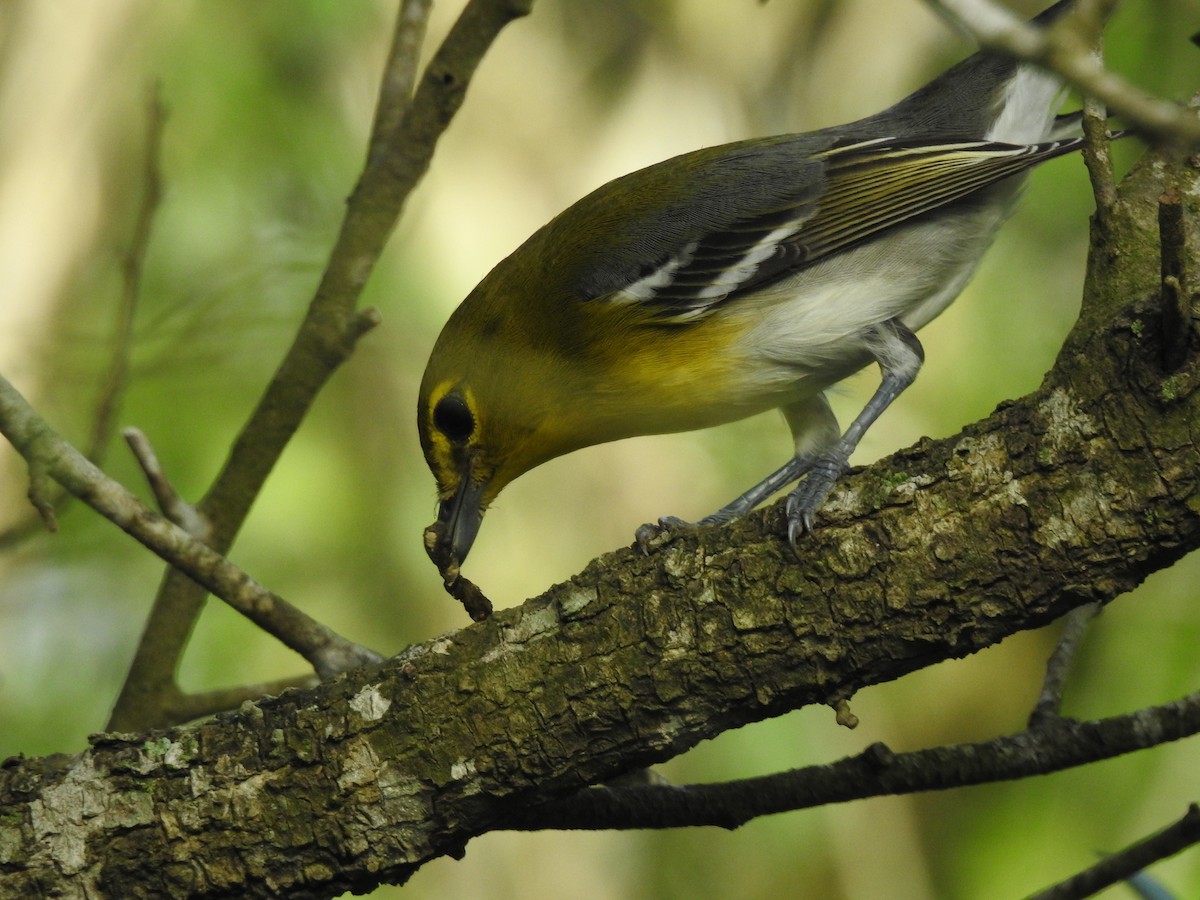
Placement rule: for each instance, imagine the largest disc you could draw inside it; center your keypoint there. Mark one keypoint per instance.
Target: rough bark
(1070, 495)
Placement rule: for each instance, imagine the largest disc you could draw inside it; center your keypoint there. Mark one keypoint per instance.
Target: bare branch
(1096, 153)
(399, 76)
(875, 772)
(1066, 48)
(1097, 156)
(405, 133)
(206, 703)
(1175, 296)
(1126, 864)
(42, 494)
(1049, 703)
(170, 503)
(38, 443)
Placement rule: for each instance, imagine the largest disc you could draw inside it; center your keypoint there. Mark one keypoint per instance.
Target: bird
(731, 280)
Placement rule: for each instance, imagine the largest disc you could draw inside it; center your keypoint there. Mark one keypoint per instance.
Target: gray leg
(821, 456)
(899, 355)
(814, 430)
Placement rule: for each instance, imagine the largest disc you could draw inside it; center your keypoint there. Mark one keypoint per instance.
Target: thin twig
(173, 506)
(1128, 862)
(399, 76)
(1175, 300)
(42, 494)
(1096, 155)
(36, 441)
(1066, 50)
(406, 132)
(1058, 667)
(877, 771)
(332, 324)
(206, 703)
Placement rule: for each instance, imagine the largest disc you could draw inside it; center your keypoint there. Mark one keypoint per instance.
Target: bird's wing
(868, 187)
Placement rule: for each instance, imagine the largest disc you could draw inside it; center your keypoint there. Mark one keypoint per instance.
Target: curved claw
(798, 526)
(810, 494)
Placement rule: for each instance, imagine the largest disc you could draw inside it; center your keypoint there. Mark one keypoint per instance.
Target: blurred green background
(269, 106)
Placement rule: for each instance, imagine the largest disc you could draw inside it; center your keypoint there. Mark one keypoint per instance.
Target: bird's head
(498, 398)
(473, 451)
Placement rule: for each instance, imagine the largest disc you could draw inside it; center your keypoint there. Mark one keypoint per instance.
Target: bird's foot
(811, 493)
(651, 536)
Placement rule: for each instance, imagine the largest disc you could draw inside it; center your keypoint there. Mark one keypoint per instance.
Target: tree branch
(1126, 864)
(1082, 488)
(1066, 47)
(399, 77)
(36, 441)
(875, 772)
(405, 133)
(1069, 496)
(1049, 703)
(173, 506)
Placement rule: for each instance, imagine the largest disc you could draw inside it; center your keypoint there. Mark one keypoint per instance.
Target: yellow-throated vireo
(732, 280)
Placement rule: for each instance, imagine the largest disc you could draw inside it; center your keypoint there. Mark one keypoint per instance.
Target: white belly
(811, 330)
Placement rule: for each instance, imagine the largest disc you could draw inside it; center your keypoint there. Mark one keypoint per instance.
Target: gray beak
(460, 518)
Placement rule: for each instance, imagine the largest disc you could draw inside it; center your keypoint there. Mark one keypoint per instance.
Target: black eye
(452, 417)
